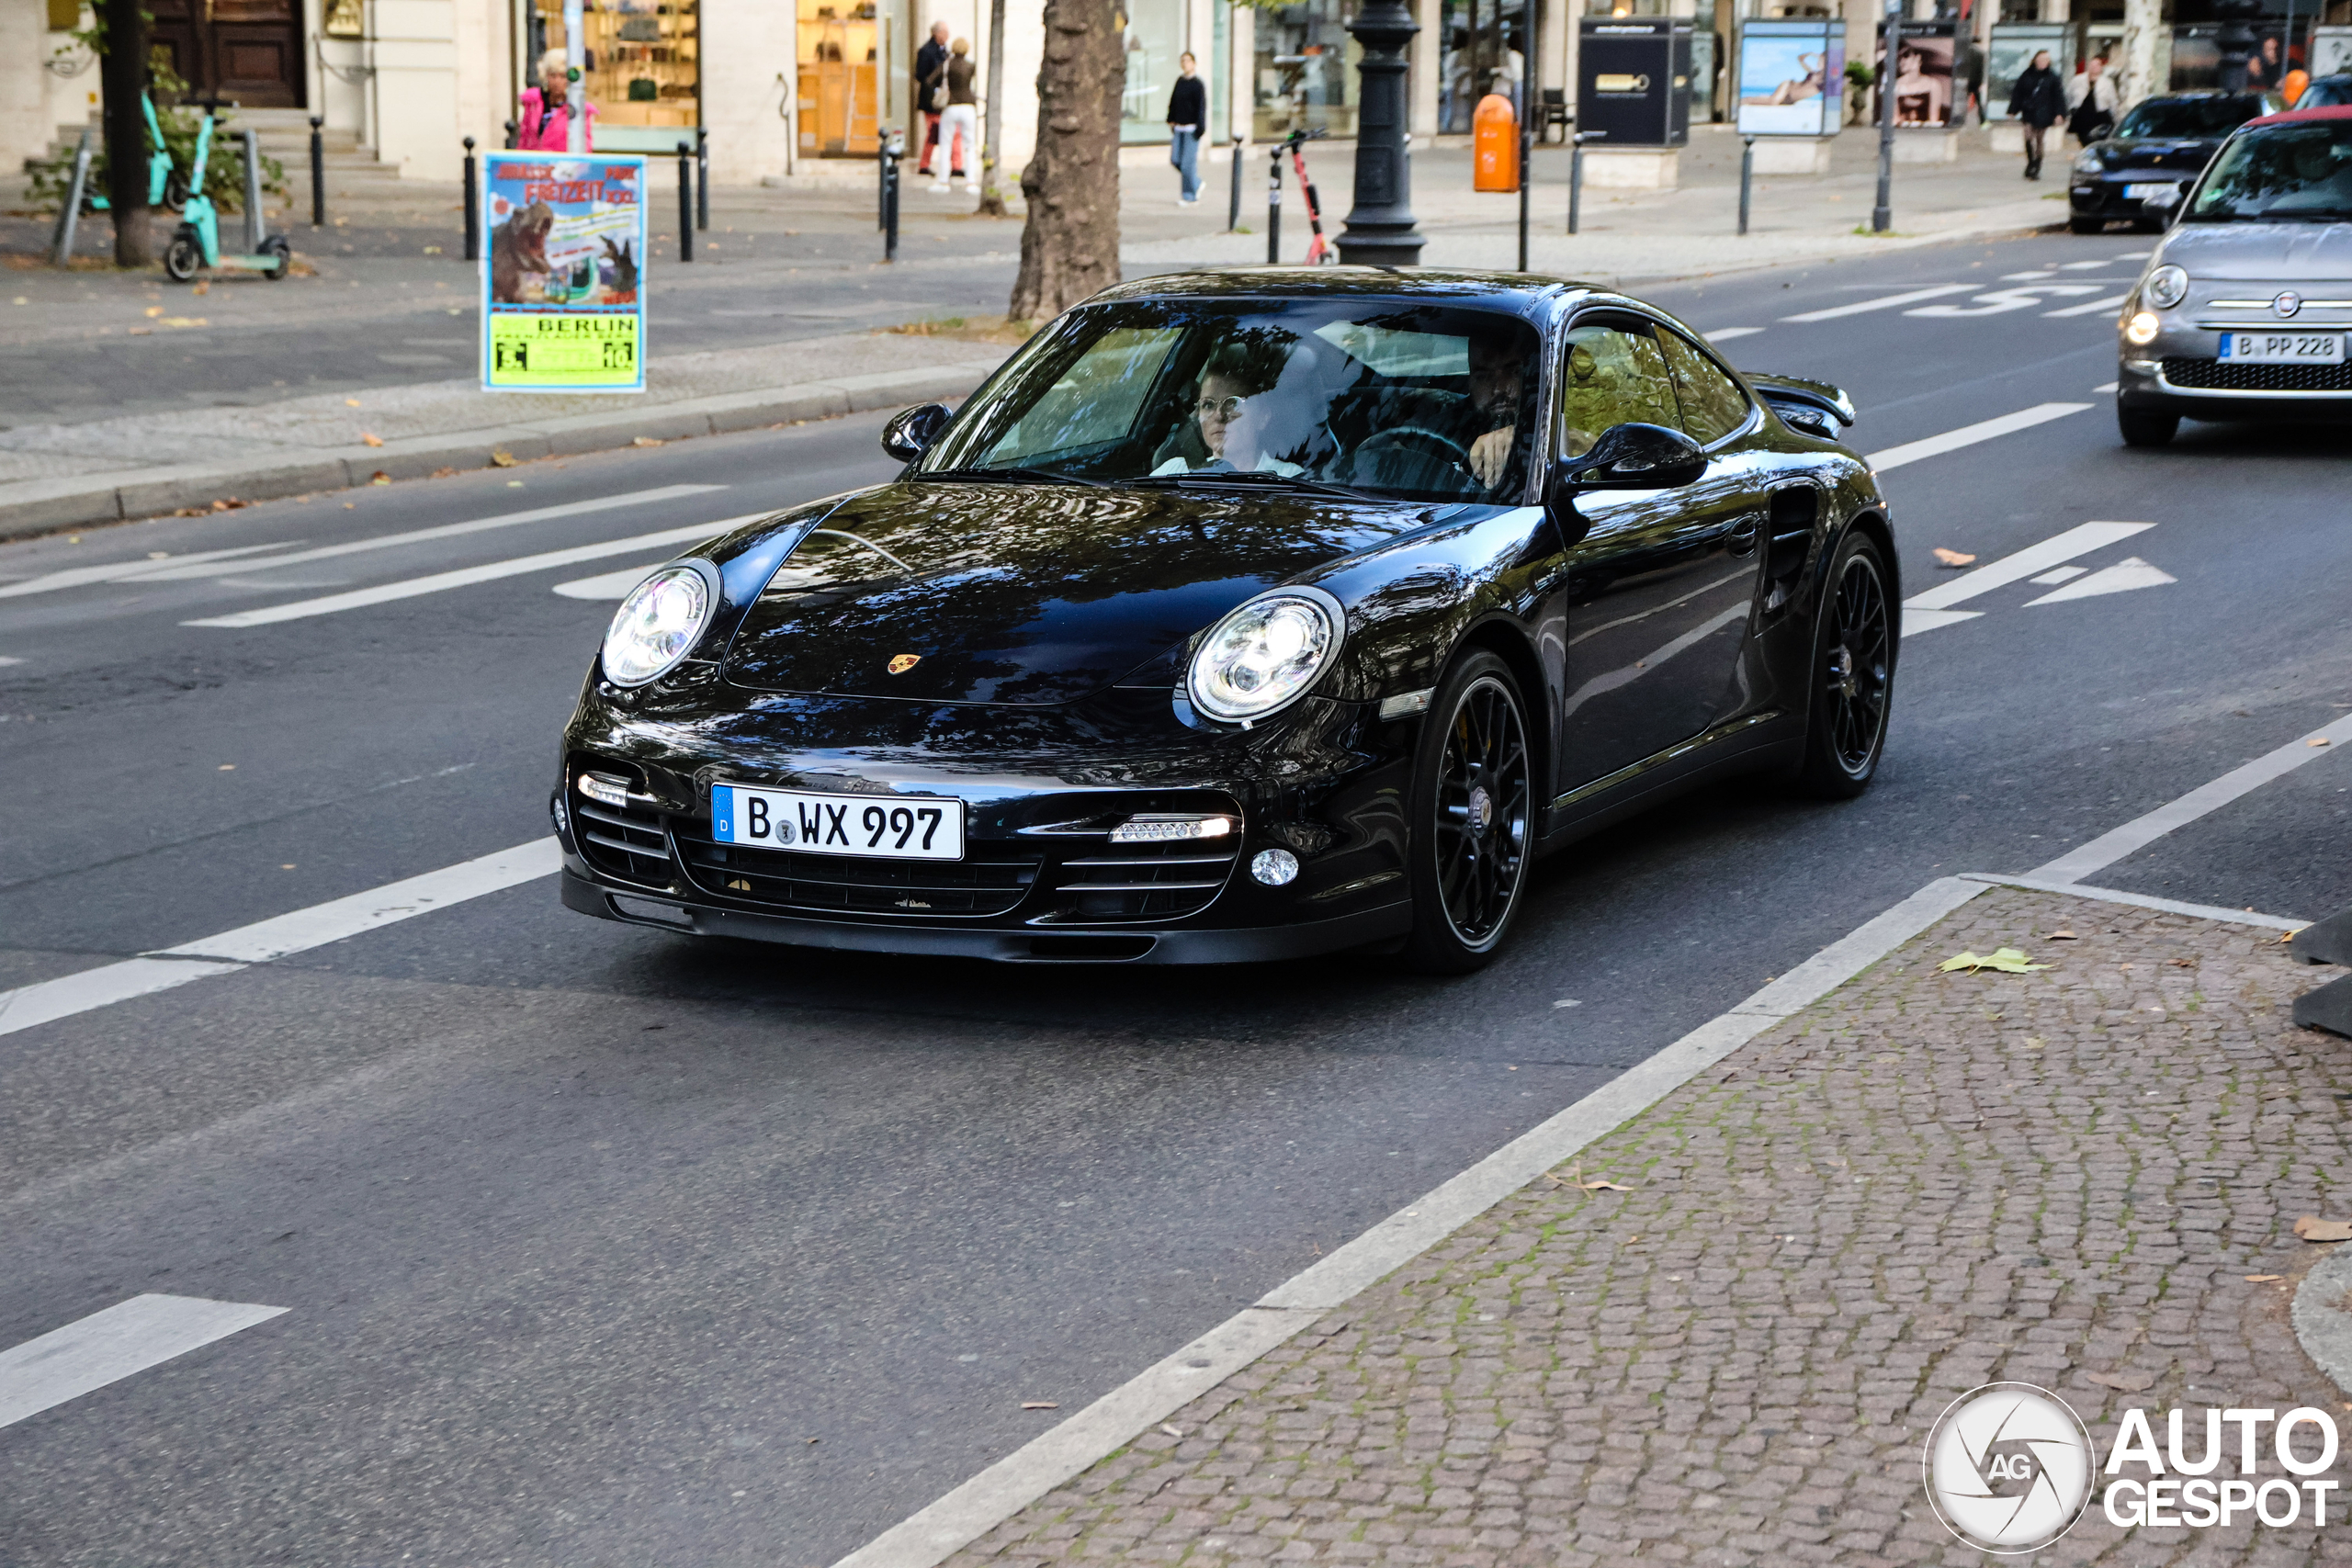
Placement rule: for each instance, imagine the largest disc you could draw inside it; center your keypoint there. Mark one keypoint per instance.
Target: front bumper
(2185, 385)
(2101, 195)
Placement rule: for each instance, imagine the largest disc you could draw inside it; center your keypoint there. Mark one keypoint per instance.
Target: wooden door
(244, 51)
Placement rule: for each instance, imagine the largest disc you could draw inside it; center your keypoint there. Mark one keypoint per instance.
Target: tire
(2087, 225)
(1851, 677)
(183, 258)
(1473, 815)
(277, 246)
(176, 190)
(2141, 428)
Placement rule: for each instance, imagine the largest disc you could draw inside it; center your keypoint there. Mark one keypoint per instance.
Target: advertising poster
(1790, 79)
(563, 298)
(1922, 91)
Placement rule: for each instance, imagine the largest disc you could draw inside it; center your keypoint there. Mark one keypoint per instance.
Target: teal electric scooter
(196, 244)
(164, 186)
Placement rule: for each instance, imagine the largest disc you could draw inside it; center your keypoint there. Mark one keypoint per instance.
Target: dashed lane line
(108, 1345)
(230, 950)
(1969, 435)
(465, 577)
(2090, 308)
(1890, 302)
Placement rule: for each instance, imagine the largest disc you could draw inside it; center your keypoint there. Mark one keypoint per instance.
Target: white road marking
(2120, 578)
(75, 577)
(169, 571)
(2092, 308)
(108, 1345)
(2104, 386)
(2062, 574)
(465, 577)
(1915, 620)
(2056, 550)
(6, 662)
(2088, 266)
(1725, 334)
(2131, 255)
(229, 951)
(2029, 277)
(2000, 301)
(1891, 302)
(1969, 435)
(2120, 843)
(611, 585)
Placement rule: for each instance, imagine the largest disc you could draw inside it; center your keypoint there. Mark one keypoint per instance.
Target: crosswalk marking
(108, 1345)
(1891, 302)
(2056, 550)
(2121, 578)
(440, 581)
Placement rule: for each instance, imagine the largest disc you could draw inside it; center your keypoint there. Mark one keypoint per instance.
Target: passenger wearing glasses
(1234, 416)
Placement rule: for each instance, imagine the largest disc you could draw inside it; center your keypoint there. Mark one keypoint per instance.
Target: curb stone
(2322, 1315)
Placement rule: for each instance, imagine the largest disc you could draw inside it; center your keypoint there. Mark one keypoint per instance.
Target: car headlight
(656, 625)
(2142, 329)
(2166, 286)
(2088, 162)
(1265, 654)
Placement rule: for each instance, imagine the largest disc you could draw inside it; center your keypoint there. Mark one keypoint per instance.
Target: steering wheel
(1416, 438)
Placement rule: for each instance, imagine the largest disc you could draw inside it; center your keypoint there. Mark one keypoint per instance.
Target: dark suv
(2160, 148)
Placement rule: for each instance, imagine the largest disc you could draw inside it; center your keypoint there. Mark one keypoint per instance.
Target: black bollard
(473, 205)
(1233, 214)
(1274, 211)
(685, 202)
(318, 173)
(702, 180)
(513, 131)
(893, 150)
(1746, 177)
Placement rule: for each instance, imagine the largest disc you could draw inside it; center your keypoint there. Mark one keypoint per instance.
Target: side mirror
(1634, 456)
(912, 430)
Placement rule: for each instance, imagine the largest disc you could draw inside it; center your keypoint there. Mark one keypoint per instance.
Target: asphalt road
(600, 1247)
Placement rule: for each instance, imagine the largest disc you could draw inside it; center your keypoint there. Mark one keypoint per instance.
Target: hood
(1026, 594)
(2187, 153)
(2287, 255)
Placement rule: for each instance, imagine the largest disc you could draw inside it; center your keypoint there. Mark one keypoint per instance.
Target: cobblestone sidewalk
(1923, 1183)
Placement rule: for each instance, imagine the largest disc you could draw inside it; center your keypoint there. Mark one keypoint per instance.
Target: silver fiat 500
(2243, 311)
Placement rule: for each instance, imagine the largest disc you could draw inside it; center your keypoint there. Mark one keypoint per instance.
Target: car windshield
(2190, 117)
(1390, 397)
(2326, 92)
(2287, 172)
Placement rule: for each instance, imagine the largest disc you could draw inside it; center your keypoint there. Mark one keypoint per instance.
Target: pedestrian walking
(931, 81)
(959, 119)
(2040, 101)
(544, 124)
(2091, 103)
(1188, 117)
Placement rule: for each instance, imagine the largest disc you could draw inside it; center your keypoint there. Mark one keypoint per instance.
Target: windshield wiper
(1260, 477)
(1014, 472)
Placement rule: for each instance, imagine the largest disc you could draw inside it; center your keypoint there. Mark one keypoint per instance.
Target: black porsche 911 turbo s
(1241, 616)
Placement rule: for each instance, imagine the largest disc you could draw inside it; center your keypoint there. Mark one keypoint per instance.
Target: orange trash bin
(1494, 145)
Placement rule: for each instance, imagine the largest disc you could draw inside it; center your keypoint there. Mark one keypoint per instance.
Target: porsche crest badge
(902, 663)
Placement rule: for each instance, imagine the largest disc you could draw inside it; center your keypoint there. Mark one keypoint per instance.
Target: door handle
(1744, 532)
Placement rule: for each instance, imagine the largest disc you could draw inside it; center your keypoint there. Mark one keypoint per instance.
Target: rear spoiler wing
(1816, 407)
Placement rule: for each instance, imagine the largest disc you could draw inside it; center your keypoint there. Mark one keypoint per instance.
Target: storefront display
(1306, 74)
(840, 85)
(643, 65)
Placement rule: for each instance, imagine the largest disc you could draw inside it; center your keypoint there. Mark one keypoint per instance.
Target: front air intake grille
(1143, 882)
(991, 879)
(2227, 376)
(626, 841)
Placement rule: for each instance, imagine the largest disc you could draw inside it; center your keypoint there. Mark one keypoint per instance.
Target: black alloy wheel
(1853, 676)
(1474, 800)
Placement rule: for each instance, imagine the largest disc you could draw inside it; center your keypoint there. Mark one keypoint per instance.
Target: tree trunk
(1070, 246)
(992, 138)
(122, 76)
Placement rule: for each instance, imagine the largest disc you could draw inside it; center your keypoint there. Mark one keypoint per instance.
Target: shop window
(643, 63)
(1305, 73)
(840, 85)
(1155, 37)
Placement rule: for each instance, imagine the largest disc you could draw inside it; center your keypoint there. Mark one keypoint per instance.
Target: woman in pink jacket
(545, 125)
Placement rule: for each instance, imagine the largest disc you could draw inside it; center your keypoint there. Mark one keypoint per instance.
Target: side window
(1612, 376)
(1713, 404)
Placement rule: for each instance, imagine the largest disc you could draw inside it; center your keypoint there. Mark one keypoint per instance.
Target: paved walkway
(1922, 1183)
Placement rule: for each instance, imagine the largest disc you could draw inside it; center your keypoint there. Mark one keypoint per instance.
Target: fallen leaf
(2008, 959)
(2123, 1382)
(1951, 557)
(228, 768)
(141, 332)
(154, 311)
(2064, 936)
(1039, 1404)
(370, 438)
(351, 402)
(445, 473)
(2286, 936)
(2311, 1228)
(379, 478)
(204, 286)
(513, 484)
(2183, 963)
(2316, 740)
(501, 459)
(2264, 1278)
(646, 441)
(1576, 1178)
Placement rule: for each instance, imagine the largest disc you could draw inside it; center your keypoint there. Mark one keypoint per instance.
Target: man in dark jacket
(2041, 102)
(1188, 121)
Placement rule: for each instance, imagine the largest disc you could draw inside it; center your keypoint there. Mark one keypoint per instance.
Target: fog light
(1274, 868)
(1167, 829)
(562, 817)
(2142, 329)
(605, 789)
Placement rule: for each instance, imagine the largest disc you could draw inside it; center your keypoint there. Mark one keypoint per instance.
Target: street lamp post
(1883, 214)
(1380, 231)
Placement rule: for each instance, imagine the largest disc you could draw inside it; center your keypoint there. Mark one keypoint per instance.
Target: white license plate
(2282, 349)
(895, 827)
(2142, 192)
